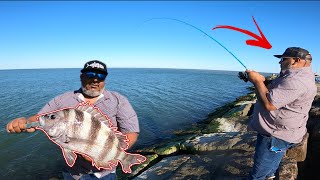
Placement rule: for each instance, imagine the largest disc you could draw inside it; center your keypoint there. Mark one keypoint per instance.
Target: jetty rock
(222, 148)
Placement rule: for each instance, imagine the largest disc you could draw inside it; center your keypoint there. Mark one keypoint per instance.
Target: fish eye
(52, 116)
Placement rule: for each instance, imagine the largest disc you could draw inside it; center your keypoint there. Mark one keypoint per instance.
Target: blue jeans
(111, 176)
(268, 155)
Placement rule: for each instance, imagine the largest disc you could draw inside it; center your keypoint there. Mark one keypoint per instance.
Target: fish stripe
(95, 128)
(93, 133)
(66, 113)
(118, 154)
(79, 115)
(109, 143)
(77, 121)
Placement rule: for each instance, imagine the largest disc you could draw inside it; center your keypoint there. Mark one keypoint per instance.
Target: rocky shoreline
(220, 147)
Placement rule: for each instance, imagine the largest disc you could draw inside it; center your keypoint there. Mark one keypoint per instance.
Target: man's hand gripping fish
(85, 130)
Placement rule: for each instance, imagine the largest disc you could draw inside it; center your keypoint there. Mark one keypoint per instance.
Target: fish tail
(130, 160)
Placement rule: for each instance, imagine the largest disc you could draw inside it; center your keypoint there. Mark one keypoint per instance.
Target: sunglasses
(285, 58)
(91, 75)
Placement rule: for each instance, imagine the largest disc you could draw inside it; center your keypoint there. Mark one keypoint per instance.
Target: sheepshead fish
(85, 130)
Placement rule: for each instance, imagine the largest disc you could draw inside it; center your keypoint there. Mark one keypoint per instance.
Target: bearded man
(111, 104)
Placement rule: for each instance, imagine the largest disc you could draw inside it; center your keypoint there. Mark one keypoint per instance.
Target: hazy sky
(67, 34)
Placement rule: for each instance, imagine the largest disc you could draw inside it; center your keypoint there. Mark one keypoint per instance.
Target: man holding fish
(105, 121)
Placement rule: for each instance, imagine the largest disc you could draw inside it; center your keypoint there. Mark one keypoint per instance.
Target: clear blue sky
(67, 34)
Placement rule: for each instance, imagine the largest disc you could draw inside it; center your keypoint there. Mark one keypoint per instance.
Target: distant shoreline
(136, 68)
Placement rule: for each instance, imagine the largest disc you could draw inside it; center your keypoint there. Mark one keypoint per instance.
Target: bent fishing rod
(201, 32)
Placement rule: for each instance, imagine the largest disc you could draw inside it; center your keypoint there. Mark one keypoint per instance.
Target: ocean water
(164, 99)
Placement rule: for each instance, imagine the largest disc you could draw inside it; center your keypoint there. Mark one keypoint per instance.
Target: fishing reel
(243, 76)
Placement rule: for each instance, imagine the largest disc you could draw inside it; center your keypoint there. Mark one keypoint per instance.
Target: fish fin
(123, 140)
(94, 112)
(131, 160)
(69, 156)
(107, 166)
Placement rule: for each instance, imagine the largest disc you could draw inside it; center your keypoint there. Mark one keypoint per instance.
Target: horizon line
(130, 68)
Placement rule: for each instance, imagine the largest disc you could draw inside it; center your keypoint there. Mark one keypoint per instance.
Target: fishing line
(203, 33)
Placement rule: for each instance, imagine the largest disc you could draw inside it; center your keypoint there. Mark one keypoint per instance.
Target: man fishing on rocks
(281, 112)
(112, 104)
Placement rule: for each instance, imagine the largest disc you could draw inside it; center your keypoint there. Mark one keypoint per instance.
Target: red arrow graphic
(260, 41)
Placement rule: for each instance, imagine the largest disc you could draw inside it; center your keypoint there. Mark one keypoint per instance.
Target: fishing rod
(203, 33)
